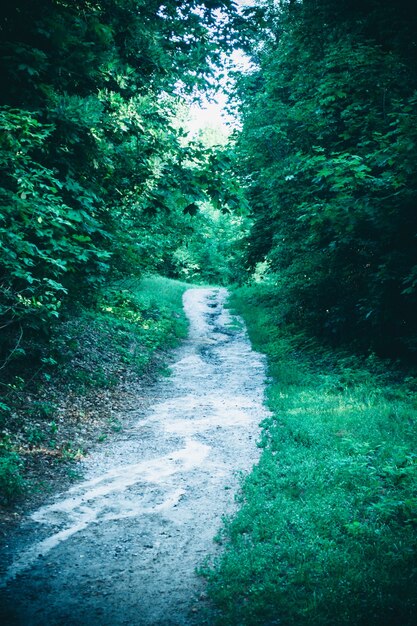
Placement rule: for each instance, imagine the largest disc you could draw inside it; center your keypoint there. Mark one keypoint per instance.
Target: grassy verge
(134, 319)
(91, 365)
(326, 533)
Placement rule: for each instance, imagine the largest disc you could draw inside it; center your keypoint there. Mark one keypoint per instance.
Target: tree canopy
(97, 178)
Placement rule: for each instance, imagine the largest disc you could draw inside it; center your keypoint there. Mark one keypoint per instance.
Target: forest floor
(121, 546)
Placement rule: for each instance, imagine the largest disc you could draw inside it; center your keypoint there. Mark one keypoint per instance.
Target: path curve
(121, 547)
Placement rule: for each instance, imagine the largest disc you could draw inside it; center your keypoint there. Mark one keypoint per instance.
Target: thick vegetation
(328, 152)
(98, 180)
(326, 531)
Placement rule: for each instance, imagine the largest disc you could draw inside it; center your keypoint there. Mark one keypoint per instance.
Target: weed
(236, 324)
(165, 371)
(35, 436)
(71, 452)
(11, 479)
(41, 410)
(115, 424)
(74, 474)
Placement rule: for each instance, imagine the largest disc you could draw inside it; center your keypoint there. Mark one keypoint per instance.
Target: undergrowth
(123, 338)
(132, 321)
(326, 534)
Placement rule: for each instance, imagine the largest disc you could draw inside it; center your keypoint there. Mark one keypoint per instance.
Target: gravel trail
(121, 546)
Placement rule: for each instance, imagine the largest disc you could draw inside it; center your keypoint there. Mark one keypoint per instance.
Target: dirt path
(121, 547)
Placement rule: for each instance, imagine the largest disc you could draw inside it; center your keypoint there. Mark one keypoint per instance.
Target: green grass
(11, 479)
(326, 534)
(134, 319)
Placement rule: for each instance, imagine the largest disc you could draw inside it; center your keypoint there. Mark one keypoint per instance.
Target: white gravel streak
(121, 547)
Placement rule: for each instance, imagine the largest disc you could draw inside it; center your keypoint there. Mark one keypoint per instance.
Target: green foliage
(11, 479)
(96, 172)
(43, 239)
(326, 531)
(135, 318)
(327, 153)
(213, 251)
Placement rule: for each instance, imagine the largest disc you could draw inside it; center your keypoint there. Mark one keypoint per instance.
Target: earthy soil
(122, 545)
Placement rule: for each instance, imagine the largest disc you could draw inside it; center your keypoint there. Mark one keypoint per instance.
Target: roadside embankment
(95, 363)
